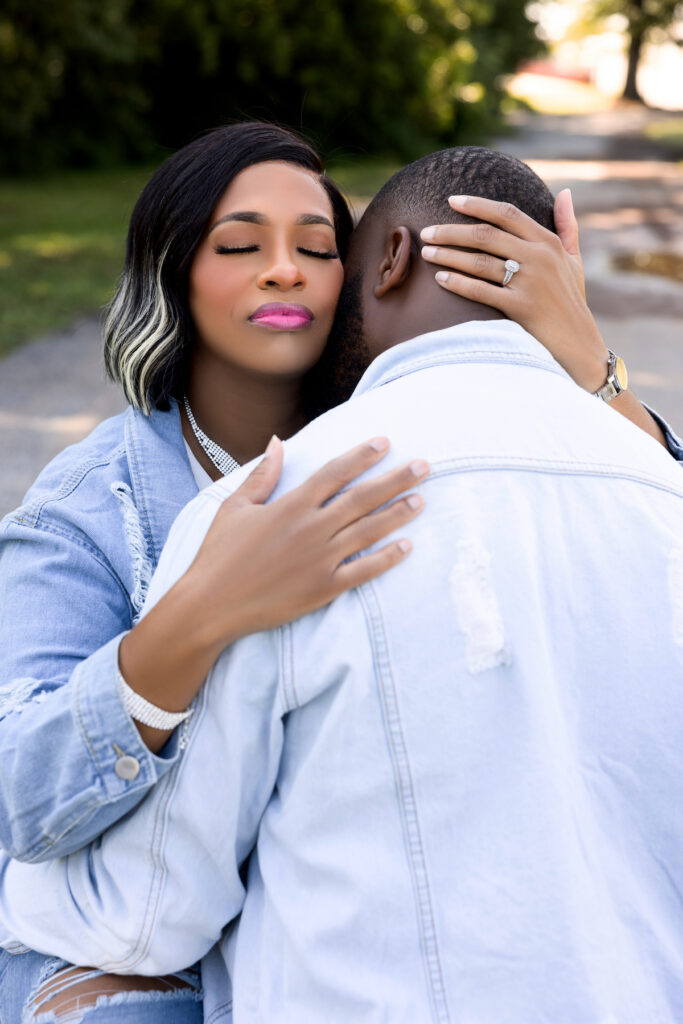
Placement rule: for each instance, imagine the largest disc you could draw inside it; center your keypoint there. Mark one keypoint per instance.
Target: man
(461, 782)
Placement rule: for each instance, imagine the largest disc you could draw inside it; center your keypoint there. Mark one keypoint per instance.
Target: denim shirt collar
(477, 341)
(160, 474)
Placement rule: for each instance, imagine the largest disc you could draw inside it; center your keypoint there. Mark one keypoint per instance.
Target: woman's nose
(284, 274)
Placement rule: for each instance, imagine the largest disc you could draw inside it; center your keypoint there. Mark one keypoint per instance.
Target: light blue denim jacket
(463, 781)
(75, 561)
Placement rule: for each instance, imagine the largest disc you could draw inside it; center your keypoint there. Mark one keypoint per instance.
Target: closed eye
(222, 250)
(329, 255)
(227, 250)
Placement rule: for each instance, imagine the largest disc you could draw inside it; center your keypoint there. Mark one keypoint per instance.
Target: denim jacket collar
(161, 485)
(496, 341)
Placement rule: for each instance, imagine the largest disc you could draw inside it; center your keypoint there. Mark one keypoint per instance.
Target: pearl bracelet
(147, 713)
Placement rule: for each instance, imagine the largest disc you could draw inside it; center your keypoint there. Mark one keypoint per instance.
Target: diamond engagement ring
(511, 267)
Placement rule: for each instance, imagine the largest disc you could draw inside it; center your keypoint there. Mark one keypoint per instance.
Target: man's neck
(421, 308)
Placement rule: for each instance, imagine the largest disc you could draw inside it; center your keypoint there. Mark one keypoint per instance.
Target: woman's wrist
(166, 657)
(586, 363)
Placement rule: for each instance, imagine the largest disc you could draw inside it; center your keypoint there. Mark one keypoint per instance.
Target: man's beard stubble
(346, 356)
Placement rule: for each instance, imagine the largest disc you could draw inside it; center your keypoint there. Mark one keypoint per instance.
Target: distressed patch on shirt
(135, 538)
(25, 691)
(676, 593)
(476, 604)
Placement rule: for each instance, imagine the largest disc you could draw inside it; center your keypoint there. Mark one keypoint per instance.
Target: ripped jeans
(37, 989)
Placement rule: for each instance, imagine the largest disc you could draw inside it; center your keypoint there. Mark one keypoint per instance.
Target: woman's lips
(282, 316)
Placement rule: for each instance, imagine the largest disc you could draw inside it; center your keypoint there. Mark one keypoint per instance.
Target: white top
(201, 477)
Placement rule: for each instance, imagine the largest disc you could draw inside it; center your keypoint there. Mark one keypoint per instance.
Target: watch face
(621, 374)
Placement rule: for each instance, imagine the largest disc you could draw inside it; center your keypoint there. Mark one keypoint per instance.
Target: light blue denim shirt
(462, 783)
(75, 562)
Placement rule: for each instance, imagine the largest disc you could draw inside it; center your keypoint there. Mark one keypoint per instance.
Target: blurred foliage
(85, 82)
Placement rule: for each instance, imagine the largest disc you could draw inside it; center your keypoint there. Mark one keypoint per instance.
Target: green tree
(392, 76)
(645, 20)
(85, 81)
(68, 88)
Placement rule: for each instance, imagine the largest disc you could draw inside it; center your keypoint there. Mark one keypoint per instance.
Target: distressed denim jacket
(75, 562)
(462, 783)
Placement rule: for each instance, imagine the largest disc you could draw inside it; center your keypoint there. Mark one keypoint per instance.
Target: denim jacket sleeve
(62, 724)
(135, 902)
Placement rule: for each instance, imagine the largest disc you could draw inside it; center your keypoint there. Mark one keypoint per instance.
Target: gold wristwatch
(617, 378)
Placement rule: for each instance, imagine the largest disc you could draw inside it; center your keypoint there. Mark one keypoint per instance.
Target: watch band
(146, 713)
(617, 378)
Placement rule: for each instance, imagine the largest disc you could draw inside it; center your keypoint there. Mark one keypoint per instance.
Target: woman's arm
(547, 295)
(63, 725)
(263, 565)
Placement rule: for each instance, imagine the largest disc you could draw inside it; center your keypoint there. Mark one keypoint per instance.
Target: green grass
(62, 241)
(61, 247)
(361, 178)
(669, 129)
(668, 133)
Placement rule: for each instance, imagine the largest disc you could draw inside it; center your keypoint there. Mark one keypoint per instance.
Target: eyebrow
(251, 217)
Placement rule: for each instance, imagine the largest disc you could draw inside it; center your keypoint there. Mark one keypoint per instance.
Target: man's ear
(396, 262)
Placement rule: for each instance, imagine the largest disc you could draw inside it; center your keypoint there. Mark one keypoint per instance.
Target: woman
(243, 212)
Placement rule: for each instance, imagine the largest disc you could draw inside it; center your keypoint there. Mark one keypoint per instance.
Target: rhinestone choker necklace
(223, 462)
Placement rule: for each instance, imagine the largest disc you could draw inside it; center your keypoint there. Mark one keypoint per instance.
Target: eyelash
(223, 250)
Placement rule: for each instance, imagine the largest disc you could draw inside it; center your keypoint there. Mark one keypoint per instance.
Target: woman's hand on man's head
(546, 295)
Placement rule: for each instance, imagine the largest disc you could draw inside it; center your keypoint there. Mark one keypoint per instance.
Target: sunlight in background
(601, 55)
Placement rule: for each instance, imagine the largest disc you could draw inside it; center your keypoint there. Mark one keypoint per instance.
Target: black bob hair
(148, 332)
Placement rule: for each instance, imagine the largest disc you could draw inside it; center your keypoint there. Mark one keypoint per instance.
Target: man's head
(389, 292)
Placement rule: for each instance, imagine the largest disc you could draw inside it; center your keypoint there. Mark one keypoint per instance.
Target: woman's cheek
(334, 292)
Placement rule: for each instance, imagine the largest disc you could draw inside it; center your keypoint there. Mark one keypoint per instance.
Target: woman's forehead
(275, 186)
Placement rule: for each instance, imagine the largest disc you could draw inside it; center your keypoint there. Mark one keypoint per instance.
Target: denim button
(127, 767)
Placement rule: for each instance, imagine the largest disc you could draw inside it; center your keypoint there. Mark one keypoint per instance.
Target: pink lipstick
(282, 316)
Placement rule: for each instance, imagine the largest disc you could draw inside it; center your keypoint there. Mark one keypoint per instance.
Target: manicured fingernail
(419, 467)
(427, 234)
(404, 545)
(428, 251)
(272, 445)
(458, 200)
(380, 444)
(414, 500)
(442, 276)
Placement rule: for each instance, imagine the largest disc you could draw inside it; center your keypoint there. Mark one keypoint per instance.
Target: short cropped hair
(420, 190)
(148, 331)
(415, 197)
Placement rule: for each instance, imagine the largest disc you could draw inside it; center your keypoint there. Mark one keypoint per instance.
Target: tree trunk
(630, 88)
(635, 45)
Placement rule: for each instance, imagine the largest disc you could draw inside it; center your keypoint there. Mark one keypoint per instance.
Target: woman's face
(266, 277)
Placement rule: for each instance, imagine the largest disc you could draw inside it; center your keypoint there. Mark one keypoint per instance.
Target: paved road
(53, 391)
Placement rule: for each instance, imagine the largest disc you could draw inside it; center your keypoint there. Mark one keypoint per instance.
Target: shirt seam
(35, 507)
(462, 464)
(513, 358)
(73, 538)
(407, 801)
(286, 685)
